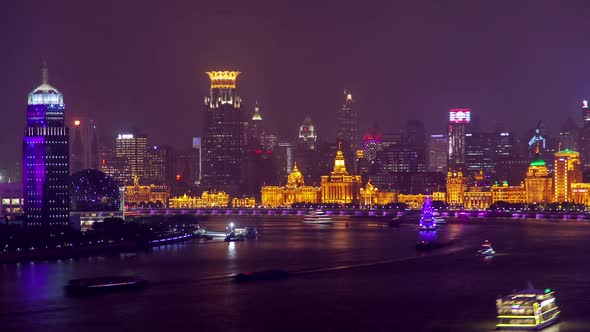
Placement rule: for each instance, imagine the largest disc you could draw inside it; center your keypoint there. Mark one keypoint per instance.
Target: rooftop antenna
(44, 71)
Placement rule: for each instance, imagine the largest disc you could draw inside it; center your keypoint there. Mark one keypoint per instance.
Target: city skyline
(528, 70)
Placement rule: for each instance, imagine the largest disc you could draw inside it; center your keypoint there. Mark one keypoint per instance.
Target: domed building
(339, 187)
(538, 182)
(92, 190)
(295, 191)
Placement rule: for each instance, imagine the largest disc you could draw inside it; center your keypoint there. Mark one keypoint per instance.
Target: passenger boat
(529, 309)
(317, 217)
(486, 249)
(233, 237)
(427, 220)
(104, 284)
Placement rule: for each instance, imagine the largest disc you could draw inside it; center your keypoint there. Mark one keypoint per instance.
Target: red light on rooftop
(178, 177)
(258, 151)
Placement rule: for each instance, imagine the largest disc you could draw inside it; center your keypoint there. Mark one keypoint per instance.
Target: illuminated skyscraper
(307, 133)
(567, 171)
(372, 143)
(223, 134)
(132, 148)
(84, 152)
(199, 151)
(438, 146)
(46, 158)
(347, 121)
(458, 119)
(584, 137)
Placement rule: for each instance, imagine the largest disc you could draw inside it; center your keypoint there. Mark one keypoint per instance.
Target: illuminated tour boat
(317, 217)
(528, 309)
(427, 220)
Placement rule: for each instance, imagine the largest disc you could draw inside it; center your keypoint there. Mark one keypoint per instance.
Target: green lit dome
(538, 162)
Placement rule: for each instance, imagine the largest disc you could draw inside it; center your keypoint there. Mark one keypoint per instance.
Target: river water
(356, 275)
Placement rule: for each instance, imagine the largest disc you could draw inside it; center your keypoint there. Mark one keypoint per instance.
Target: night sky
(141, 64)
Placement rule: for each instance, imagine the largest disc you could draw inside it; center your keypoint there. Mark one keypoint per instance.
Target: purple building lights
(46, 159)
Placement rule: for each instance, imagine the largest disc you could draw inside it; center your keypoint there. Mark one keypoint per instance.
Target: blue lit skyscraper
(46, 158)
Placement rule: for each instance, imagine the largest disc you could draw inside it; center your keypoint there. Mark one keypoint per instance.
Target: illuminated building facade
(567, 170)
(308, 134)
(370, 196)
(538, 182)
(568, 135)
(455, 188)
(295, 191)
(157, 164)
(584, 137)
(458, 119)
(508, 194)
(138, 194)
(477, 199)
(438, 146)
(243, 202)
(372, 143)
(581, 193)
(223, 138)
(414, 201)
(11, 200)
(339, 187)
(132, 148)
(46, 158)
(480, 152)
(84, 152)
(207, 200)
(347, 122)
(197, 146)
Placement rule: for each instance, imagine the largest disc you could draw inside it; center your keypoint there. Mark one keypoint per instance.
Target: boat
(440, 220)
(317, 217)
(250, 232)
(427, 220)
(427, 245)
(395, 223)
(529, 309)
(233, 237)
(486, 249)
(104, 284)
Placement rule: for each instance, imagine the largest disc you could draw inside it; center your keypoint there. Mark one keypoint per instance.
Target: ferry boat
(427, 220)
(486, 249)
(104, 284)
(317, 217)
(529, 309)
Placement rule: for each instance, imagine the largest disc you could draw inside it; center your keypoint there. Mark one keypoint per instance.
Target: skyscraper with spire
(46, 158)
(347, 119)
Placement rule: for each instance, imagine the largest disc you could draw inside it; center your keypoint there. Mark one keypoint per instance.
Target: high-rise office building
(458, 119)
(223, 134)
(567, 171)
(307, 133)
(133, 148)
(584, 137)
(46, 158)
(84, 152)
(438, 147)
(480, 152)
(347, 121)
(568, 135)
(197, 146)
(157, 164)
(372, 143)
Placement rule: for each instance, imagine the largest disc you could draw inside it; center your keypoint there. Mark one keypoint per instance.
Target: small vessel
(427, 220)
(486, 249)
(427, 245)
(233, 236)
(395, 223)
(104, 284)
(317, 217)
(250, 232)
(440, 220)
(529, 309)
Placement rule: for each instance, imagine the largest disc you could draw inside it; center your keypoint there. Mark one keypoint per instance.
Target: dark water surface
(365, 277)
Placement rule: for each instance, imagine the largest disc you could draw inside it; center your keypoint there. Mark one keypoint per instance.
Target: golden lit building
(136, 193)
(477, 199)
(413, 201)
(508, 194)
(220, 199)
(566, 171)
(455, 188)
(439, 196)
(295, 191)
(370, 195)
(243, 202)
(581, 193)
(538, 182)
(339, 187)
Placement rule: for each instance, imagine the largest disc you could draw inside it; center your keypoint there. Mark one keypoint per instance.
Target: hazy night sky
(141, 63)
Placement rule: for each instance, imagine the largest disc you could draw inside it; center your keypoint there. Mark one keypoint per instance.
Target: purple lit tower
(427, 221)
(46, 158)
